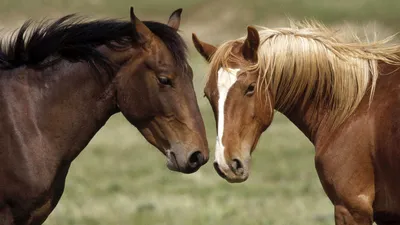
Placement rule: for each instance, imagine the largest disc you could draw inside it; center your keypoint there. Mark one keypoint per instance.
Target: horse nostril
(196, 159)
(237, 167)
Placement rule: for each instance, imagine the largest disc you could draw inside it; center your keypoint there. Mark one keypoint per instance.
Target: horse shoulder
(26, 167)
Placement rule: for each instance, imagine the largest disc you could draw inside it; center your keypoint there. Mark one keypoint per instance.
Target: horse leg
(6, 216)
(348, 180)
(360, 215)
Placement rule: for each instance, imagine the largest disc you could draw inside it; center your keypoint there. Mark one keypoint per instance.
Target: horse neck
(316, 121)
(310, 120)
(74, 107)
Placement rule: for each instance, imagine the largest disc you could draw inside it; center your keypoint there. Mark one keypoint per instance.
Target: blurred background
(120, 179)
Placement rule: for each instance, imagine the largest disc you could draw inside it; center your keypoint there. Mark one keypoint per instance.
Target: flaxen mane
(309, 62)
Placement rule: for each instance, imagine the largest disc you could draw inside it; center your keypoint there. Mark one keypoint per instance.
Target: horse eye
(164, 81)
(250, 89)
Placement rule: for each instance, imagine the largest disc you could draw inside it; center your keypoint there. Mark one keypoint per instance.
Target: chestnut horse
(343, 95)
(61, 81)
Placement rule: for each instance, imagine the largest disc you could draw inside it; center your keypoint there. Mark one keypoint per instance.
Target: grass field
(120, 179)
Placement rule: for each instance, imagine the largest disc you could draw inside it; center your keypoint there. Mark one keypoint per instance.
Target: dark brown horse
(343, 95)
(60, 82)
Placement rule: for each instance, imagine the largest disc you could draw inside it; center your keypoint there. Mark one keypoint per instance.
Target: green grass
(120, 179)
(331, 11)
(211, 11)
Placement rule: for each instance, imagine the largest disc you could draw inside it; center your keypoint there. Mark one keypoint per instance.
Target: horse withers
(343, 95)
(59, 84)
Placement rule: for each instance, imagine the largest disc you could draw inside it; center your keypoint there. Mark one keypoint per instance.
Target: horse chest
(36, 207)
(39, 214)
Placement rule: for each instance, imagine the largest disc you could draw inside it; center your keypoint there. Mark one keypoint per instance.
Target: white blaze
(226, 79)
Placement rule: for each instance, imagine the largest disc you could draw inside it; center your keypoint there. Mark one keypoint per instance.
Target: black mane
(74, 39)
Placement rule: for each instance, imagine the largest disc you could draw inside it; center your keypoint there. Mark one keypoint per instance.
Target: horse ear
(206, 50)
(139, 28)
(175, 19)
(251, 44)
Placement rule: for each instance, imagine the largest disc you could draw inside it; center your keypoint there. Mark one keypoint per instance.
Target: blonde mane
(309, 62)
